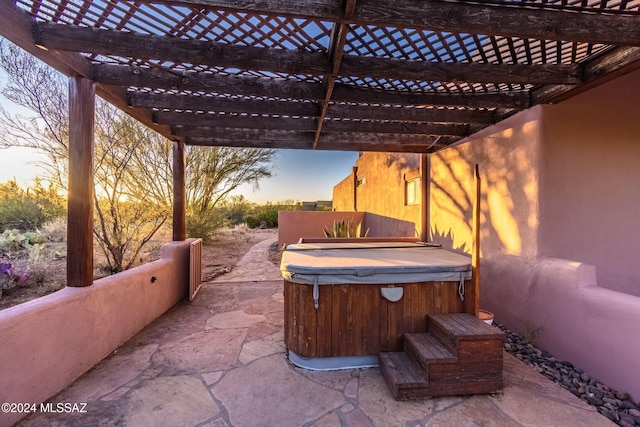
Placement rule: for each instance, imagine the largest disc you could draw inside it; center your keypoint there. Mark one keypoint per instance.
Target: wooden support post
(475, 249)
(355, 188)
(179, 192)
(424, 197)
(81, 187)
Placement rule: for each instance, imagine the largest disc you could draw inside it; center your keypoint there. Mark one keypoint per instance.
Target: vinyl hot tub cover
(371, 263)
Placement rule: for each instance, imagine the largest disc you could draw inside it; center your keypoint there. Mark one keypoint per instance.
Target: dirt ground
(218, 258)
(230, 246)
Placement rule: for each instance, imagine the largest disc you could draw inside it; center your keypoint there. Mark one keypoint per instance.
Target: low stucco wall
(558, 304)
(49, 342)
(292, 225)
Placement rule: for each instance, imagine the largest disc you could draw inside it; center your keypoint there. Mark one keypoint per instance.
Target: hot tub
(346, 302)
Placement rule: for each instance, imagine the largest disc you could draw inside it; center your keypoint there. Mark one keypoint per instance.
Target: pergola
(356, 75)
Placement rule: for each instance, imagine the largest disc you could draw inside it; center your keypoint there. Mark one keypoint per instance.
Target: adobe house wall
(342, 199)
(56, 338)
(381, 194)
(559, 225)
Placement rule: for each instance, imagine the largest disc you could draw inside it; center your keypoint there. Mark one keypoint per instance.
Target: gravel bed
(613, 404)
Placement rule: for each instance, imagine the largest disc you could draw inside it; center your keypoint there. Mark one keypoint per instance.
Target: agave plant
(345, 228)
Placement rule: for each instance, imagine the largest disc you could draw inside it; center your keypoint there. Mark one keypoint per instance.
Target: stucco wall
(590, 193)
(593, 327)
(342, 199)
(559, 223)
(49, 342)
(292, 225)
(508, 159)
(382, 195)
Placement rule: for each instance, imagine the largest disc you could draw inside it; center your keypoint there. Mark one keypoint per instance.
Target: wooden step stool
(459, 354)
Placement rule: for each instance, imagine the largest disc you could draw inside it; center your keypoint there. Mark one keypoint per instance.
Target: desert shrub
(204, 225)
(20, 214)
(268, 214)
(252, 221)
(38, 270)
(235, 209)
(28, 209)
(55, 230)
(262, 220)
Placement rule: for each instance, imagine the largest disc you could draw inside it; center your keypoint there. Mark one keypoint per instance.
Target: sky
(302, 175)
(299, 175)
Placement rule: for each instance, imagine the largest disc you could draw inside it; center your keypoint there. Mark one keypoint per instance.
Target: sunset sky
(298, 174)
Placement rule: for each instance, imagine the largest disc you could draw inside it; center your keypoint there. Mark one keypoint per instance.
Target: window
(412, 191)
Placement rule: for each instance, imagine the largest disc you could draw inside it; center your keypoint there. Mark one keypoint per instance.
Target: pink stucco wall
(292, 225)
(589, 185)
(593, 327)
(49, 342)
(559, 228)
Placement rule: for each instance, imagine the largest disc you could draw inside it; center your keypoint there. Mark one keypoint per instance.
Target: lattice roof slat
(364, 72)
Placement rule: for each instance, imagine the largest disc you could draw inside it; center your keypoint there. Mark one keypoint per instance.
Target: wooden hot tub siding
(356, 320)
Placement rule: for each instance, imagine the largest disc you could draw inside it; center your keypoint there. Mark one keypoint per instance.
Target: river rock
(615, 405)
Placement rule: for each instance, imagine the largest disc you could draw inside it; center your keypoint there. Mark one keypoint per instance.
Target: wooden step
(426, 350)
(459, 354)
(407, 381)
(403, 375)
(464, 326)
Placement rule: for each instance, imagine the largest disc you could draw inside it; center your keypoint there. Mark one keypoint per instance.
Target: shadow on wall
(508, 163)
(509, 217)
(446, 240)
(384, 226)
(402, 162)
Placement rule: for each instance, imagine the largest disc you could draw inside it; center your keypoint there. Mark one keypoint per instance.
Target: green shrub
(204, 225)
(266, 217)
(236, 208)
(28, 209)
(252, 221)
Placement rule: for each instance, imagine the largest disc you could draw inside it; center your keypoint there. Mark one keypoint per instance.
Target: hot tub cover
(371, 263)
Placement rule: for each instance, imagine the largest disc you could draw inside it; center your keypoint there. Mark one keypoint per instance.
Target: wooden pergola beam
(195, 103)
(222, 105)
(343, 141)
(616, 62)
(387, 146)
(590, 25)
(127, 44)
(156, 78)
(189, 125)
(336, 53)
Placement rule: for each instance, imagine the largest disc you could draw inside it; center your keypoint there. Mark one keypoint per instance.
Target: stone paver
(170, 401)
(220, 361)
